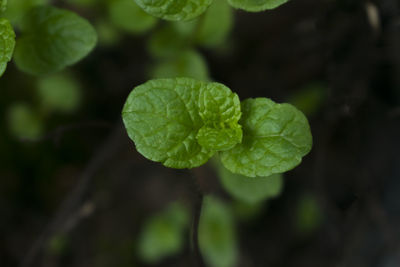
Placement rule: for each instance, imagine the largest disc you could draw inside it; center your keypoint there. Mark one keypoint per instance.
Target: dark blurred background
(79, 194)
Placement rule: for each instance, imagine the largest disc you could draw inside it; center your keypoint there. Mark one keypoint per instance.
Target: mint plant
(183, 122)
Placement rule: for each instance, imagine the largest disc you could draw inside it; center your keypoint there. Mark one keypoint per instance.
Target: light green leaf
(7, 43)
(3, 5)
(187, 63)
(162, 118)
(248, 189)
(163, 234)
(52, 39)
(23, 122)
(275, 138)
(220, 112)
(215, 25)
(256, 5)
(219, 139)
(128, 16)
(60, 92)
(174, 9)
(217, 236)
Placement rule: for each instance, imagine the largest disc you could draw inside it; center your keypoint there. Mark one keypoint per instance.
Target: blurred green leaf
(16, 9)
(7, 43)
(3, 5)
(188, 63)
(245, 211)
(250, 189)
(217, 236)
(128, 16)
(308, 214)
(163, 234)
(59, 92)
(107, 33)
(256, 5)
(23, 122)
(167, 42)
(84, 3)
(310, 98)
(57, 244)
(52, 39)
(215, 25)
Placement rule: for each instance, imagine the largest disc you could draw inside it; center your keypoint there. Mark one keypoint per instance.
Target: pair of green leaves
(189, 9)
(183, 122)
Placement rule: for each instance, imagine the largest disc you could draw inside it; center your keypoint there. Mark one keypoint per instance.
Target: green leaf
(220, 112)
(215, 25)
(163, 234)
(175, 10)
(188, 63)
(23, 122)
(7, 43)
(163, 118)
(161, 45)
(248, 189)
(217, 236)
(275, 138)
(256, 5)
(3, 5)
(128, 16)
(52, 39)
(308, 214)
(16, 9)
(60, 92)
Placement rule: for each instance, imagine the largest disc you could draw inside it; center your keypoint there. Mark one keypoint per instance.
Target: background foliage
(74, 192)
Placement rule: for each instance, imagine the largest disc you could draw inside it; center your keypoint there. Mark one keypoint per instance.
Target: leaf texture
(175, 10)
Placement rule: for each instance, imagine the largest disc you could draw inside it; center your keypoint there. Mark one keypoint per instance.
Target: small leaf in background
(188, 63)
(57, 244)
(256, 5)
(161, 45)
(23, 122)
(3, 5)
(250, 189)
(275, 138)
(128, 16)
(310, 98)
(174, 10)
(16, 9)
(52, 39)
(308, 214)
(107, 33)
(161, 117)
(216, 24)
(217, 235)
(244, 211)
(163, 235)
(7, 43)
(59, 92)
